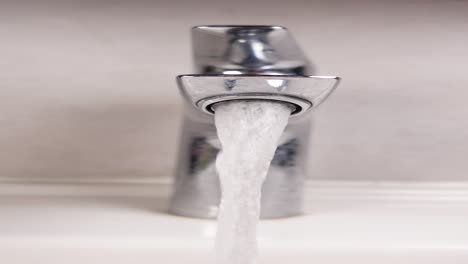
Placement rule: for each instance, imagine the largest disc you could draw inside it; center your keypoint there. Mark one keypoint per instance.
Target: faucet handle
(248, 50)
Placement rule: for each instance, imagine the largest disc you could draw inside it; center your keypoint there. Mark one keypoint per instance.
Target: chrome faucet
(245, 63)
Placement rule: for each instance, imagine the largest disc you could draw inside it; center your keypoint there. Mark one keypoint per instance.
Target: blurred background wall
(87, 88)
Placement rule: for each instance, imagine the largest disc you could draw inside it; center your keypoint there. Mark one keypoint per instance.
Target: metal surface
(245, 63)
(305, 92)
(248, 50)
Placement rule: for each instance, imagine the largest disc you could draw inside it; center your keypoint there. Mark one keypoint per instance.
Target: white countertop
(127, 223)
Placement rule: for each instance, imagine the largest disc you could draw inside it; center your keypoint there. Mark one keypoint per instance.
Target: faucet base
(197, 191)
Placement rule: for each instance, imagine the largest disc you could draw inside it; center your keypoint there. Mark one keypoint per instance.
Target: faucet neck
(250, 50)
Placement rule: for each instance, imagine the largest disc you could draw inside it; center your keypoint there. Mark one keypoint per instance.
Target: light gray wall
(87, 88)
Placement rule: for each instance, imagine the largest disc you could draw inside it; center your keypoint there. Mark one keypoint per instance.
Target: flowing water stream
(249, 133)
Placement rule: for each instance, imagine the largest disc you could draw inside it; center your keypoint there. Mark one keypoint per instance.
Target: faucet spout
(245, 63)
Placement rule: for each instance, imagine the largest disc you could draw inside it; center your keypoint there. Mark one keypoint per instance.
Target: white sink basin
(126, 223)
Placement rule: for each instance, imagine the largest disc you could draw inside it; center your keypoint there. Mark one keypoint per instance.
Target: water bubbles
(249, 133)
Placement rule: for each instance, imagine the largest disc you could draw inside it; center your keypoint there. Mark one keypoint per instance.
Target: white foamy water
(249, 133)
